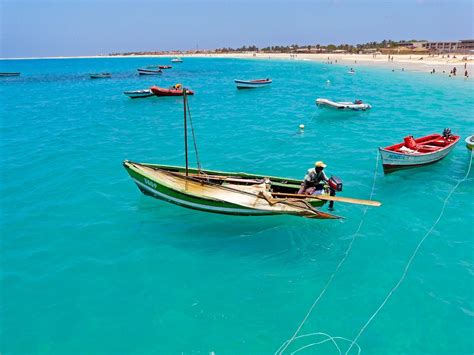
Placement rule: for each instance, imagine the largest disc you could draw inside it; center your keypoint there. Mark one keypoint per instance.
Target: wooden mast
(185, 130)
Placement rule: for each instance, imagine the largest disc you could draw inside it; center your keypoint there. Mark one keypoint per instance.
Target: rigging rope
(194, 137)
(284, 346)
(412, 257)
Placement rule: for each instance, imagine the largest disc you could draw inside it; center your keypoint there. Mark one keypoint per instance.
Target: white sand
(406, 62)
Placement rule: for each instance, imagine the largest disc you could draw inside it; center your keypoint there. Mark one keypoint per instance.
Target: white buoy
(328, 81)
(301, 126)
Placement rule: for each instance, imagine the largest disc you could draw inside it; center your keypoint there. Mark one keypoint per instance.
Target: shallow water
(89, 264)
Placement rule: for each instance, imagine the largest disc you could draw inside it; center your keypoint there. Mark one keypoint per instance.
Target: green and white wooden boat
(230, 193)
(223, 192)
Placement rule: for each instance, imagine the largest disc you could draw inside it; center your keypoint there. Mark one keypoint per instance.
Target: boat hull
(9, 74)
(342, 106)
(393, 161)
(149, 72)
(139, 94)
(251, 84)
(169, 92)
(152, 187)
(470, 142)
(101, 76)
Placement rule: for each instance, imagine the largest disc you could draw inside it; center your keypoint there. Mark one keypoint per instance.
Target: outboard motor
(447, 134)
(335, 184)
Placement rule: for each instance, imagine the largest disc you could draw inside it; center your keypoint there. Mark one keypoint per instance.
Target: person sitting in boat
(358, 102)
(177, 86)
(314, 179)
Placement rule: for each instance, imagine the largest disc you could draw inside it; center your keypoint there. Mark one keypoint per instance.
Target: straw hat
(320, 164)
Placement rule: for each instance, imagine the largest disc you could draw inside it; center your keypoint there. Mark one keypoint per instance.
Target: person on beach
(454, 71)
(466, 74)
(314, 179)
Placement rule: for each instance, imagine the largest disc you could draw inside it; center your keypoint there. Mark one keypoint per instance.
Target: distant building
(466, 45)
(462, 46)
(441, 46)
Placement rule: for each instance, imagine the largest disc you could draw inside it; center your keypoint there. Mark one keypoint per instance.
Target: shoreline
(406, 62)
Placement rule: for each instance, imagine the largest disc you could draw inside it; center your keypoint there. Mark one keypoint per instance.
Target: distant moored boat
(135, 94)
(9, 74)
(176, 60)
(252, 84)
(357, 105)
(143, 71)
(173, 91)
(100, 75)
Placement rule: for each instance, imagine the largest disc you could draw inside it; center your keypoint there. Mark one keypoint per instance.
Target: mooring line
(410, 260)
(284, 346)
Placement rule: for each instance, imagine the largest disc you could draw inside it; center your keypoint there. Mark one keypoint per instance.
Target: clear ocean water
(91, 265)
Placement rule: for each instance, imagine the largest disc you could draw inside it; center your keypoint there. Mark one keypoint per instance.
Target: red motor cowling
(335, 183)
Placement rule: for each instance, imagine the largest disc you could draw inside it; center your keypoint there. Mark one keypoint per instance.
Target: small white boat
(352, 71)
(101, 76)
(143, 71)
(470, 142)
(357, 105)
(176, 60)
(135, 94)
(252, 84)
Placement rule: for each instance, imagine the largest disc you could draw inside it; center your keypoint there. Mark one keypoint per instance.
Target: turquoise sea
(89, 265)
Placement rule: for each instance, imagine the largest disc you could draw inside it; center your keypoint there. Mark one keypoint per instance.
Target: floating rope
(412, 257)
(287, 343)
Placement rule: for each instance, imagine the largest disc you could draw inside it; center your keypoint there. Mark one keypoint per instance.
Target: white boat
(176, 60)
(138, 93)
(357, 105)
(143, 71)
(351, 72)
(470, 142)
(100, 75)
(252, 84)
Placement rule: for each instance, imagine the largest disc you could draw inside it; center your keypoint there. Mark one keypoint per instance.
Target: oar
(332, 198)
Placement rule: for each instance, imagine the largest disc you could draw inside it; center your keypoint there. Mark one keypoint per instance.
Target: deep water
(89, 265)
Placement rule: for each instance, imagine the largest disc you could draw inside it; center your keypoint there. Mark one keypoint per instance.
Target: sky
(43, 28)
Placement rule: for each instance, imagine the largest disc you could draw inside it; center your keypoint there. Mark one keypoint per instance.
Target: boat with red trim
(172, 91)
(417, 152)
(165, 67)
(252, 84)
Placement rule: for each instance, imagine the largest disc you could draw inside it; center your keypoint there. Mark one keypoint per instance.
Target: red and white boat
(165, 67)
(170, 91)
(416, 152)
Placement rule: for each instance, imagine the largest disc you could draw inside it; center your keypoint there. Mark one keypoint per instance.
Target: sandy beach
(414, 62)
